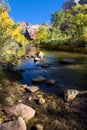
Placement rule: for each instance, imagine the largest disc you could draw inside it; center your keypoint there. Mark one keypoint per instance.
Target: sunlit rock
(39, 127)
(22, 110)
(41, 100)
(17, 124)
(40, 54)
(70, 94)
(36, 59)
(32, 88)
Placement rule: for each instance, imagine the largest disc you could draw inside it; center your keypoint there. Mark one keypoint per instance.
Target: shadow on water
(67, 75)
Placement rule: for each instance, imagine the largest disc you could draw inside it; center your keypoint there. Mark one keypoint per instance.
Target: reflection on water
(71, 76)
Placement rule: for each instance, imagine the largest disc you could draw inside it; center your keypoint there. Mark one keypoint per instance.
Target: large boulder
(22, 110)
(17, 124)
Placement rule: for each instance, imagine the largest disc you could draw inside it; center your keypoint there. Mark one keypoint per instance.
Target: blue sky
(33, 11)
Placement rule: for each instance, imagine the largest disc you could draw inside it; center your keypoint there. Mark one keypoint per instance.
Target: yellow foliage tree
(41, 35)
(10, 36)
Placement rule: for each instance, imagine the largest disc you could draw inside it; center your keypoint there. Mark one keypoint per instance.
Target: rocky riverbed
(51, 111)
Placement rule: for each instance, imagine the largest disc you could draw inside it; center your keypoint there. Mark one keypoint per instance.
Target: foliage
(10, 36)
(57, 18)
(5, 4)
(76, 18)
(42, 34)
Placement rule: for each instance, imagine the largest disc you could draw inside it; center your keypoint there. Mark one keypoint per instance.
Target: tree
(5, 4)
(41, 34)
(76, 18)
(10, 36)
(57, 18)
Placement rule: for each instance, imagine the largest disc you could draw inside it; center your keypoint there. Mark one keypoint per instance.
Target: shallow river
(67, 75)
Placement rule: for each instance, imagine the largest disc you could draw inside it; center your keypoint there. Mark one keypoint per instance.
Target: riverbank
(53, 113)
(68, 47)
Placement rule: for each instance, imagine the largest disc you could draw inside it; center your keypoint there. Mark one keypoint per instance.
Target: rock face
(38, 79)
(22, 110)
(70, 94)
(17, 124)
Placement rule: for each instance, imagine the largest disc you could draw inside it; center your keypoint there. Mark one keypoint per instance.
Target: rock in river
(51, 82)
(40, 54)
(46, 65)
(38, 79)
(66, 61)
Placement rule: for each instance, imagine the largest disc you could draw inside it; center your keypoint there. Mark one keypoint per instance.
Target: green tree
(76, 18)
(42, 34)
(57, 18)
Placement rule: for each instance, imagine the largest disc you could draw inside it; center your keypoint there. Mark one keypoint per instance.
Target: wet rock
(32, 88)
(66, 61)
(51, 82)
(39, 127)
(70, 94)
(38, 79)
(17, 124)
(22, 110)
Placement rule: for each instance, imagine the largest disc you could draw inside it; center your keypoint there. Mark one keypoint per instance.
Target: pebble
(39, 127)
(41, 100)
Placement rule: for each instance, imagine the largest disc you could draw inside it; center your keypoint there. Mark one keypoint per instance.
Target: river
(67, 75)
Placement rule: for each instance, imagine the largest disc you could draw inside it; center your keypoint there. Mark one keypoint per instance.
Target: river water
(67, 75)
